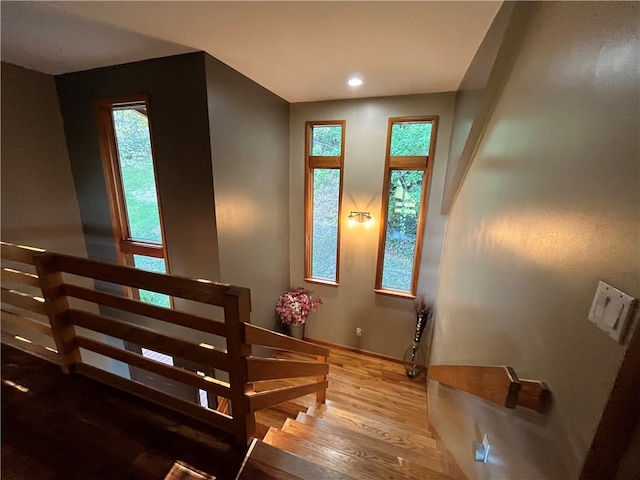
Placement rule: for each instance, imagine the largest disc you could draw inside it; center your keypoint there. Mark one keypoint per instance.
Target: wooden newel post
(57, 308)
(237, 310)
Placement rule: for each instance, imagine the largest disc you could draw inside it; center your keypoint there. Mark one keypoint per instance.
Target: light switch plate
(611, 311)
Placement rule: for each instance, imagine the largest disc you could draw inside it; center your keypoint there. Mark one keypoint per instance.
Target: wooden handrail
(260, 400)
(173, 285)
(497, 384)
(240, 335)
(271, 369)
(261, 336)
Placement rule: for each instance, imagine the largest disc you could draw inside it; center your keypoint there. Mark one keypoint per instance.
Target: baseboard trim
(353, 350)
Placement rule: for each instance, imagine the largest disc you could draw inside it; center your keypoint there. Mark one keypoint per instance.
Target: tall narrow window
(324, 158)
(410, 146)
(130, 174)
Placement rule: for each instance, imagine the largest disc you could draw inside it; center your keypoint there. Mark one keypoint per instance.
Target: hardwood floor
(374, 425)
(60, 427)
(356, 382)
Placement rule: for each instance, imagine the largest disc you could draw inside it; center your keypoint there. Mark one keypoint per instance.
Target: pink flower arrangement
(294, 305)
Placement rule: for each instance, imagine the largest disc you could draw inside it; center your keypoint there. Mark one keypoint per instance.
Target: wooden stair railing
(74, 328)
(23, 311)
(495, 383)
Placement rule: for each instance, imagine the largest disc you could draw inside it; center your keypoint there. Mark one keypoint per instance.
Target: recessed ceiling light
(354, 82)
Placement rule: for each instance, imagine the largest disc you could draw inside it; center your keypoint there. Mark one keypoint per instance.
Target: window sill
(321, 281)
(394, 293)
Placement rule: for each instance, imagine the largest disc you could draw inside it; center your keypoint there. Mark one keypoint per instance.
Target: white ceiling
(302, 51)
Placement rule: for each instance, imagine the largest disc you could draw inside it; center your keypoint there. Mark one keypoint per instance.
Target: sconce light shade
(360, 217)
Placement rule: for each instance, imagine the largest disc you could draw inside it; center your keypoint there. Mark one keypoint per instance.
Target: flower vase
(297, 331)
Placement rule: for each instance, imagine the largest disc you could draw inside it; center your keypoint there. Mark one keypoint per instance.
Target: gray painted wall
(387, 323)
(249, 129)
(39, 205)
(478, 91)
(549, 206)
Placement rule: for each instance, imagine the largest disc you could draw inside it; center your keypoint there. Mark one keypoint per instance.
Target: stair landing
(374, 425)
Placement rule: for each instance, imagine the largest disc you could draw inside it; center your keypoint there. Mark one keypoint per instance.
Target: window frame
(313, 162)
(126, 246)
(423, 163)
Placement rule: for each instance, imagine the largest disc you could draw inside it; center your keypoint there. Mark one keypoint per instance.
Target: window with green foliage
(324, 158)
(407, 167)
(130, 174)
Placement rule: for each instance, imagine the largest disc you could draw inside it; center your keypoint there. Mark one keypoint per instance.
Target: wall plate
(611, 311)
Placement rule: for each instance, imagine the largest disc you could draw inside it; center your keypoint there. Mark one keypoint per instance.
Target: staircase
(374, 425)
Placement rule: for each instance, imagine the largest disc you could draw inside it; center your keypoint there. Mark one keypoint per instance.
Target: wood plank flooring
(60, 427)
(374, 425)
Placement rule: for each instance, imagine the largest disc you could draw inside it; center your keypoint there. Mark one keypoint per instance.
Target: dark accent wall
(249, 130)
(221, 145)
(180, 133)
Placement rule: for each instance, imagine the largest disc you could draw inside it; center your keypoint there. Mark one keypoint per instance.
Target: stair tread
(414, 418)
(276, 415)
(266, 462)
(333, 410)
(356, 463)
(346, 440)
(406, 440)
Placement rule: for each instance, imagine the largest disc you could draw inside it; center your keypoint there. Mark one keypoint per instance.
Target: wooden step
(378, 451)
(356, 463)
(404, 427)
(184, 471)
(412, 442)
(266, 462)
(276, 415)
(353, 402)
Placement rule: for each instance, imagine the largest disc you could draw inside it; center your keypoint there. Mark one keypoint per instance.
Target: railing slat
(23, 278)
(205, 415)
(261, 400)
(200, 291)
(145, 309)
(150, 339)
(495, 383)
(24, 301)
(25, 322)
(261, 336)
(271, 368)
(18, 253)
(175, 373)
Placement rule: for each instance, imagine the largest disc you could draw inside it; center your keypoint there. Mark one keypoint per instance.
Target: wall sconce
(360, 217)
